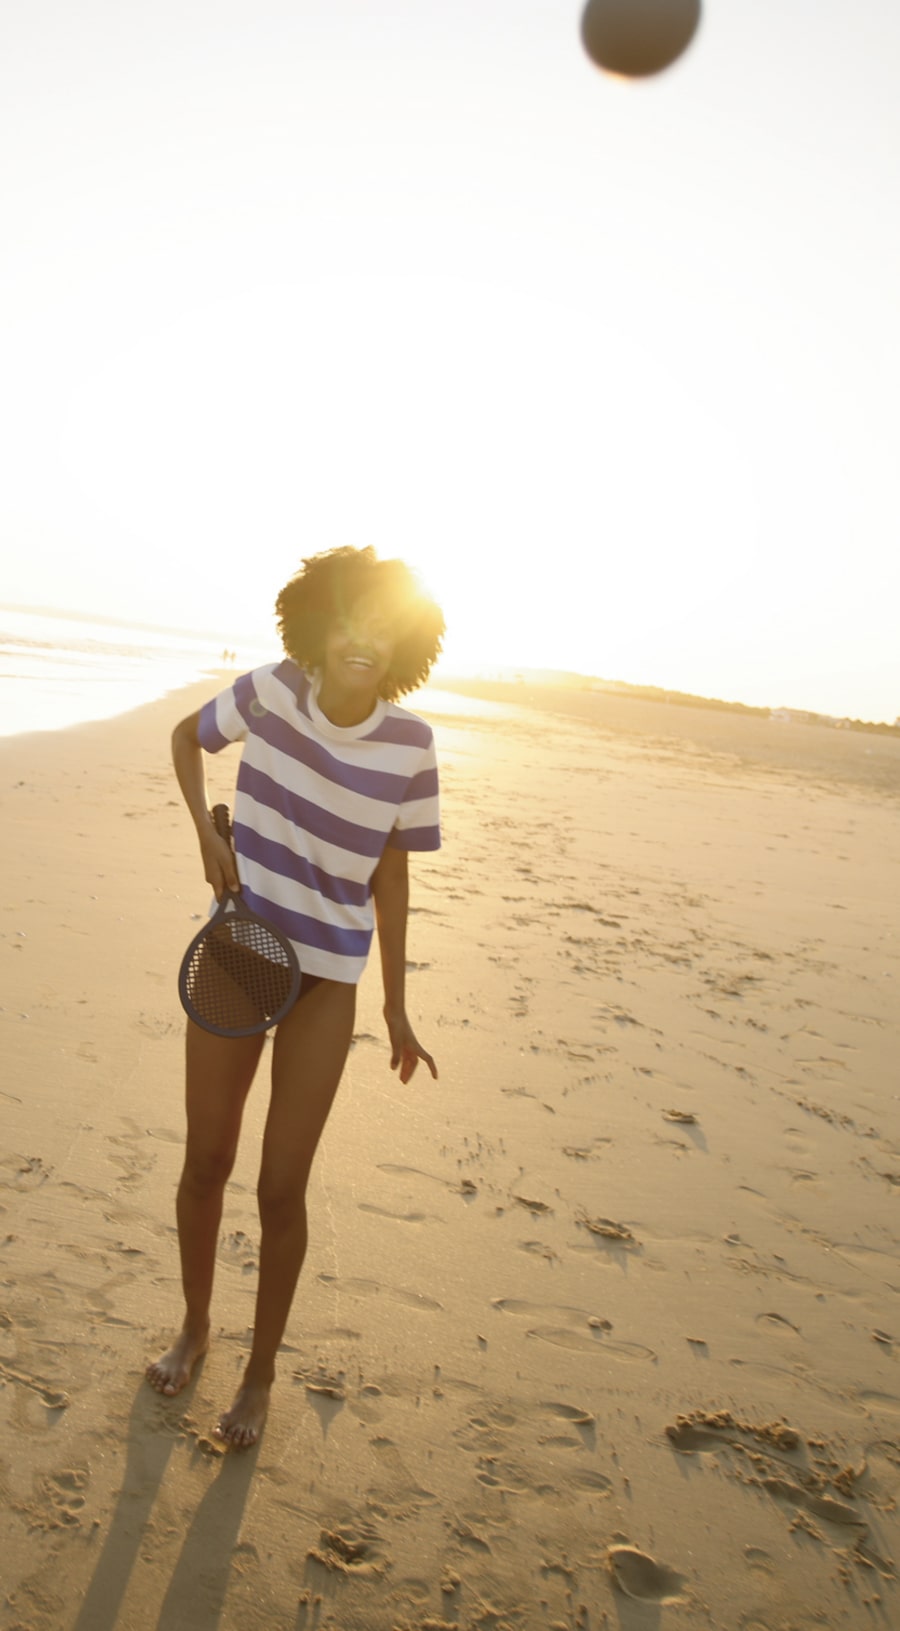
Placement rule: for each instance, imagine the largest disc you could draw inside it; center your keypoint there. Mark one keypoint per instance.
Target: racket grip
(222, 821)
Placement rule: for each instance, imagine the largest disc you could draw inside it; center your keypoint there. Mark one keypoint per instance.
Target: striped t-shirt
(315, 806)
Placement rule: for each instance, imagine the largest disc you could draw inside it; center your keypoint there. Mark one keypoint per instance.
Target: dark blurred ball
(638, 37)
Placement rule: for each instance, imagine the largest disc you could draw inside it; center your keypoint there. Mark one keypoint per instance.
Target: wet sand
(600, 1330)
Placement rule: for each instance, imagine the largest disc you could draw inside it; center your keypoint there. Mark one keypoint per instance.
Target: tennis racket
(239, 975)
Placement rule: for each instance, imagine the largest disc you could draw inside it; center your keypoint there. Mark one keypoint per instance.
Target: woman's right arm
(187, 757)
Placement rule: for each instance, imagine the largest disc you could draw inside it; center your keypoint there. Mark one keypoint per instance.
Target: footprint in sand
(156, 1025)
(720, 1429)
(583, 1342)
(512, 1480)
(326, 1392)
(573, 1416)
(809, 1180)
(778, 1455)
(397, 1217)
(53, 1397)
(758, 1560)
(534, 1207)
(576, 1414)
(798, 1375)
(538, 1248)
(395, 1485)
(596, 1483)
(28, 1172)
(607, 1229)
(470, 1537)
(879, 1402)
(638, 1575)
(581, 1332)
(488, 1431)
(777, 1325)
(166, 1134)
(373, 1288)
(517, 1305)
(341, 1551)
(64, 1492)
(237, 1247)
(586, 1152)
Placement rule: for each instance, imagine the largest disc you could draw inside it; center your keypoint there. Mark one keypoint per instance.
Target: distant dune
(724, 735)
(513, 679)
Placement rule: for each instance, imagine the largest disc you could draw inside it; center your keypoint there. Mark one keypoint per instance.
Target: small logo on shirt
(258, 709)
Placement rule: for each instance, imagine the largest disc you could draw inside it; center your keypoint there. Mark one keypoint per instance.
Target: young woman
(336, 785)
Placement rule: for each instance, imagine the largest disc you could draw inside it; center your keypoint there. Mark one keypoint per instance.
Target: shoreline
(193, 695)
(814, 752)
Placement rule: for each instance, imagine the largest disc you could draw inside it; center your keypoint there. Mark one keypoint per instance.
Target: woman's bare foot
(170, 1373)
(242, 1424)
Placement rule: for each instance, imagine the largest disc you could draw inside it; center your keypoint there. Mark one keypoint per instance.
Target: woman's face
(358, 650)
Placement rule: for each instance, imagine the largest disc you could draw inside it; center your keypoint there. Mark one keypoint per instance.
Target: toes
(163, 1381)
(233, 1433)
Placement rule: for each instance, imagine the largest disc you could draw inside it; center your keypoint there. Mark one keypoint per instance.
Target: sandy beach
(602, 1329)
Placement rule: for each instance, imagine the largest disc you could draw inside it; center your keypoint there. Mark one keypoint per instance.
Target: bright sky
(616, 366)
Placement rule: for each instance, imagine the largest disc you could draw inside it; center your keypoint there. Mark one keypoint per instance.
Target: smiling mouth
(358, 662)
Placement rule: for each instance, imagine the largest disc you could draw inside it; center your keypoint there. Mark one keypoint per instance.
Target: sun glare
(553, 360)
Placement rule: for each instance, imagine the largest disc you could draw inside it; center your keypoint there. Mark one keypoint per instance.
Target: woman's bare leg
(218, 1077)
(308, 1059)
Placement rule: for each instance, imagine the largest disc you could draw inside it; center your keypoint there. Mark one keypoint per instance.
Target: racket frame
(231, 907)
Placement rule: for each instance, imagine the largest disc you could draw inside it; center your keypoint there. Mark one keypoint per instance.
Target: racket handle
(222, 821)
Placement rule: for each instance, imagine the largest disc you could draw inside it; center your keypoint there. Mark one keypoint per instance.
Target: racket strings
(239, 975)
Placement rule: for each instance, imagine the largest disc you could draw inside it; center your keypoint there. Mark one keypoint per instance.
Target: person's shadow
(196, 1591)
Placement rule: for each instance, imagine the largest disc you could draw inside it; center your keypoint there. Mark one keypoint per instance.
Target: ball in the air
(634, 38)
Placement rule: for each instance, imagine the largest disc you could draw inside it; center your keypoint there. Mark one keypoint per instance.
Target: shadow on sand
(196, 1592)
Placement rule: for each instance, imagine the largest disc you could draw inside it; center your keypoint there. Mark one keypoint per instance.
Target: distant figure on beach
(336, 785)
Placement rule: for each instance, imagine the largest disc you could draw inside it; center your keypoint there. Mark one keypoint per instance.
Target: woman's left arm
(390, 890)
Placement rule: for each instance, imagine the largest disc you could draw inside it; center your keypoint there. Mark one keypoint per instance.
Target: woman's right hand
(219, 863)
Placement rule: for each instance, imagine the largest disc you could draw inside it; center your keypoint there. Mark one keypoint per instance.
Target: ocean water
(58, 670)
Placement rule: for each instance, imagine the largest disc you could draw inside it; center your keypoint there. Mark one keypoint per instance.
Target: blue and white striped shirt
(315, 806)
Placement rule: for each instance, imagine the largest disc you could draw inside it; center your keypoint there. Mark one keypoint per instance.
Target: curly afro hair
(330, 584)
